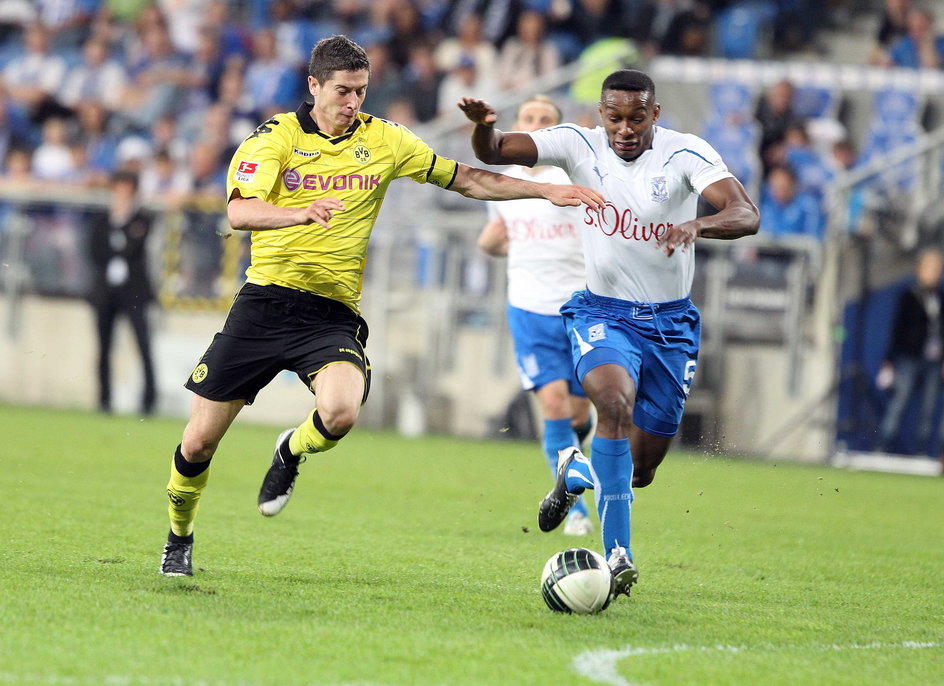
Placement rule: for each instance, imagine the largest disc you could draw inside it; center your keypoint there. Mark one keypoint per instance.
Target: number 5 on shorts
(688, 376)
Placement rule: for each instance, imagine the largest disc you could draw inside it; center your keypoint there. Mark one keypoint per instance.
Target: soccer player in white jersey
(545, 267)
(634, 331)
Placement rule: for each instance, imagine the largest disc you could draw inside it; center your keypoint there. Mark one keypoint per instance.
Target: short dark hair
(125, 176)
(629, 80)
(337, 53)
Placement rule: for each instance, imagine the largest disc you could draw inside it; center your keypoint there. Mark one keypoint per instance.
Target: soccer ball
(577, 580)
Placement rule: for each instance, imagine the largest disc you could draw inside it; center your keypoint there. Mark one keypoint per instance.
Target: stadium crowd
(88, 86)
(168, 88)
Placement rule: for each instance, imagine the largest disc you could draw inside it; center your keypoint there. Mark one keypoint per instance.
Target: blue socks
(558, 434)
(613, 466)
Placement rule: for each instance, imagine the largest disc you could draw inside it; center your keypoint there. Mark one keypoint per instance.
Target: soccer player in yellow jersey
(309, 185)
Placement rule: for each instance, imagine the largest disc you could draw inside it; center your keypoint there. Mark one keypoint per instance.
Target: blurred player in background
(545, 267)
(308, 185)
(634, 330)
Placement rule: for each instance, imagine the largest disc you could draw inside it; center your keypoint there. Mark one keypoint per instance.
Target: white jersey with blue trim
(545, 258)
(644, 198)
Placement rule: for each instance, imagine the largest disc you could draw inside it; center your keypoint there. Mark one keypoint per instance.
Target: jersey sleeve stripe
(582, 137)
(432, 166)
(455, 173)
(688, 151)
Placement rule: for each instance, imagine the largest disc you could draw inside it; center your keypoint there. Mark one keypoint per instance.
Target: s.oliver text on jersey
(612, 220)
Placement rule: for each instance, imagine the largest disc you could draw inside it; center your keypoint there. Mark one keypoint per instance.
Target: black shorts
(270, 329)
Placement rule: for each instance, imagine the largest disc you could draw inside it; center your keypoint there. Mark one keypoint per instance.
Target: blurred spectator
(845, 159)
(813, 173)
(17, 171)
(893, 26)
(96, 78)
(121, 285)
(468, 42)
(386, 84)
(164, 181)
(52, 159)
(591, 20)
(913, 364)
(496, 15)
(15, 15)
(465, 79)
(681, 28)
(294, 35)
(159, 79)
(234, 38)
(775, 114)
(68, 21)
(371, 22)
(205, 68)
(269, 78)
(33, 79)
(922, 48)
(184, 21)
(422, 81)
(13, 126)
(133, 153)
(100, 144)
(796, 22)
(165, 135)
(527, 55)
(241, 110)
(201, 245)
(786, 212)
(407, 33)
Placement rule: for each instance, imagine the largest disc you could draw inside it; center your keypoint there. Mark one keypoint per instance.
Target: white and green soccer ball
(577, 581)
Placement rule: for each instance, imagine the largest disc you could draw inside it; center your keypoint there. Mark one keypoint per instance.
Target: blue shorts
(656, 343)
(542, 350)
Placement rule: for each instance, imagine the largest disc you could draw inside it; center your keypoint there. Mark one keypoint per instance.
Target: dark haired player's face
(627, 118)
(338, 100)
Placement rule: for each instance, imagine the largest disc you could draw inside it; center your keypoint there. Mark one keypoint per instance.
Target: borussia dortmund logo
(361, 154)
(200, 373)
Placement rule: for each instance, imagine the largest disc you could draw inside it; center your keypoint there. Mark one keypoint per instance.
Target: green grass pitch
(416, 562)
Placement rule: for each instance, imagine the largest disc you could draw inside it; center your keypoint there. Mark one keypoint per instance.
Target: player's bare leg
(339, 392)
(648, 452)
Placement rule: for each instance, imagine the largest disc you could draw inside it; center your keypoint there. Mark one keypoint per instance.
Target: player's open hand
(564, 195)
(321, 211)
(680, 236)
(478, 111)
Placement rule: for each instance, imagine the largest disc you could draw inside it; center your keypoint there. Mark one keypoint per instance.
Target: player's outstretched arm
(493, 146)
(482, 184)
(255, 214)
(737, 216)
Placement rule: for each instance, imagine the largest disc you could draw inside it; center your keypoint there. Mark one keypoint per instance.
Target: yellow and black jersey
(289, 162)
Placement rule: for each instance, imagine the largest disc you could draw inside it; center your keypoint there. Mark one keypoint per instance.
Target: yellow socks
(187, 481)
(312, 436)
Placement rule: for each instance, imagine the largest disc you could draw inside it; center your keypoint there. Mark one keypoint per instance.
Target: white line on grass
(600, 665)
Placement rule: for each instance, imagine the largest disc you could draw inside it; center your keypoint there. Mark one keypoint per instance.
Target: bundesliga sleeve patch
(246, 171)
